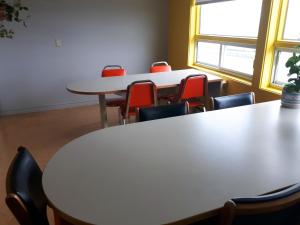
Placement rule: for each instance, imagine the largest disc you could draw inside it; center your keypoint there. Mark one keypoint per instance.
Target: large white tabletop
(108, 85)
(167, 170)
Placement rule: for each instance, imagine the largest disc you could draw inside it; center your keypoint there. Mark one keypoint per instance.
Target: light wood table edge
(65, 216)
(186, 221)
(197, 218)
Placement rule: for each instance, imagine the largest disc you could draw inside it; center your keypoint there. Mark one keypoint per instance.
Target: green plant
(10, 12)
(293, 64)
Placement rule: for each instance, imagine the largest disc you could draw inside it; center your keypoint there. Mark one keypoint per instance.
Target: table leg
(103, 113)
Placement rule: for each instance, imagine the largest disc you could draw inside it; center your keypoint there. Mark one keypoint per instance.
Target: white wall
(94, 33)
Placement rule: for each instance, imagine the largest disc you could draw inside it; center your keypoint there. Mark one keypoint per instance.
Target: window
(280, 71)
(208, 53)
(237, 18)
(238, 58)
(292, 29)
(226, 35)
(224, 39)
(287, 38)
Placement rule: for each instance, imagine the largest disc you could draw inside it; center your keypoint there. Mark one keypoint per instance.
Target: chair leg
(122, 121)
(197, 109)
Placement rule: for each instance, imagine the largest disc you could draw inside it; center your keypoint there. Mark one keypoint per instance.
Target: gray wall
(94, 33)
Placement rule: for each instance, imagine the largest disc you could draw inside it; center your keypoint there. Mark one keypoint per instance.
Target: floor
(43, 133)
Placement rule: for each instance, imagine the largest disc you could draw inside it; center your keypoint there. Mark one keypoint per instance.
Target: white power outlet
(58, 43)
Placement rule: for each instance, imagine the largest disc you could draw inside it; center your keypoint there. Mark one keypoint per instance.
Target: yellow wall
(179, 18)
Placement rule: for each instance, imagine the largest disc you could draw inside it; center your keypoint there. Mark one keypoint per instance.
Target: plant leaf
(294, 69)
(292, 61)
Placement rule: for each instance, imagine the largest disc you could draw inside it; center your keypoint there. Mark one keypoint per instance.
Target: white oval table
(112, 85)
(170, 170)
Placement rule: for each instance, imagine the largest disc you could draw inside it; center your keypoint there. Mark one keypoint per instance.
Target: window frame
(270, 38)
(195, 37)
(273, 83)
(219, 66)
(281, 44)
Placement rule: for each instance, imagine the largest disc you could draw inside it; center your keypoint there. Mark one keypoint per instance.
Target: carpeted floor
(43, 133)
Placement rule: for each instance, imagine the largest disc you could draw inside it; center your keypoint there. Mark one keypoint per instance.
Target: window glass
(292, 28)
(280, 71)
(208, 53)
(238, 59)
(239, 18)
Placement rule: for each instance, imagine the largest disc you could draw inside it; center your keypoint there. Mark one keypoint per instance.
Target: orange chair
(160, 67)
(194, 90)
(140, 94)
(114, 71)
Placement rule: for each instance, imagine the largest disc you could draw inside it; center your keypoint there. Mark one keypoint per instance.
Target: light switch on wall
(58, 43)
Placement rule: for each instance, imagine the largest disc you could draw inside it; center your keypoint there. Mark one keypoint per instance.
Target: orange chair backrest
(193, 86)
(113, 71)
(160, 67)
(141, 94)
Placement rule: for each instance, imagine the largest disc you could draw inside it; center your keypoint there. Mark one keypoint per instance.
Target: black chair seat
(277, 208)
(164, 111)
(233, 101)
(25, 196)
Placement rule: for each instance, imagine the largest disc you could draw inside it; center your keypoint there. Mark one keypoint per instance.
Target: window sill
(224, 75)
(273, 90)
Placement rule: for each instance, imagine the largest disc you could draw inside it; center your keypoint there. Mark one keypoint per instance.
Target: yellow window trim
(274, 40)
(286, 44)
(194, 12)
(273, 89)
(268, 35)
(228, 76)
(281, 22)
(270, 38)
(227, 40)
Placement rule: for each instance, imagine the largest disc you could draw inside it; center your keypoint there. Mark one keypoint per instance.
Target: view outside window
(292, 28)
(238, 59)
(208, 53)
(237, 20)
(280, 71)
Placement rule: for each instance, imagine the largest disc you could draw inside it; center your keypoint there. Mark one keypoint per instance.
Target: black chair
(164, 111)
(233, 101)
(278, 208)
(25, 196)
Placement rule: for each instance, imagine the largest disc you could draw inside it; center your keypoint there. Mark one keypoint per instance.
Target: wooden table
(167, 170)
(110, 85)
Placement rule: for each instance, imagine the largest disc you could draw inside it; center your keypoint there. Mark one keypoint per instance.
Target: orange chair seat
(162, 68)
(192, 89)
(113, 72)
(140, 94)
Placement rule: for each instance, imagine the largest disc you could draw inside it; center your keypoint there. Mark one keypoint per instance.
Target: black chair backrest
(163, 111)
(233, 100)
(25, 196)
(277, 208)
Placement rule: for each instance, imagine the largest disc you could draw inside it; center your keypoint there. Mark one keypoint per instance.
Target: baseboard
(48, 107)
